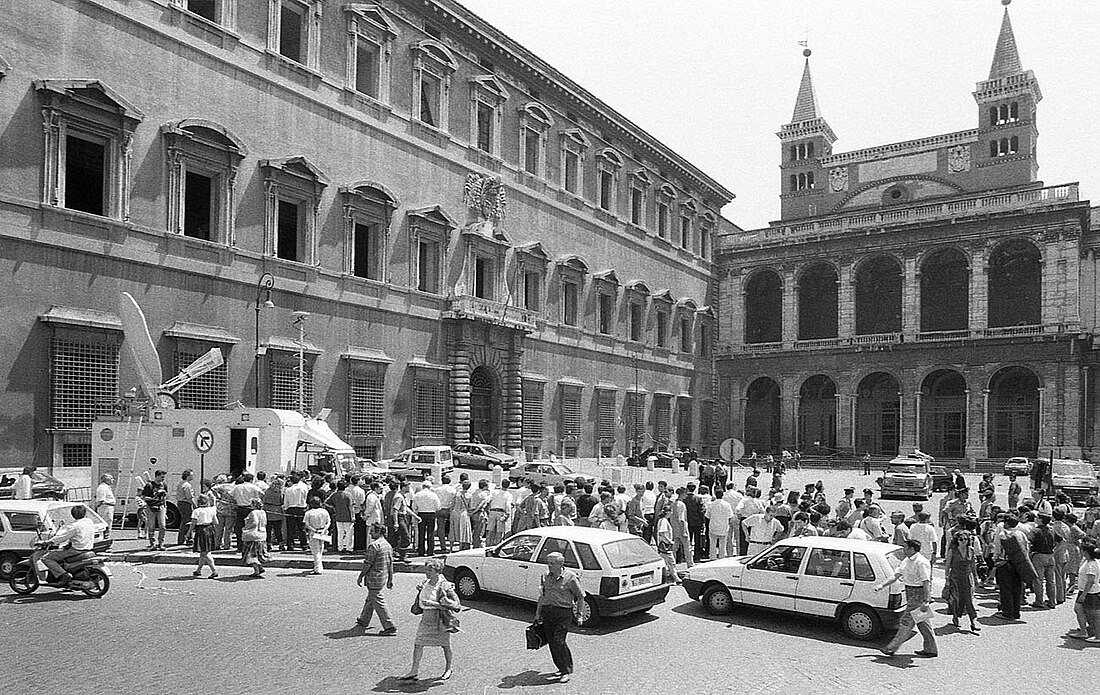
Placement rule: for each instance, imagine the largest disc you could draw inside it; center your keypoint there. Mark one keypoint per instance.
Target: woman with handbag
(962, 577)
(435, 603)
(665, 545)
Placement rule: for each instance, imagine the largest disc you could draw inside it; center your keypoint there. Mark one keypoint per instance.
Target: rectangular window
(484, 127)
(683, 424)
(86, 175)
(366, 68)
(662, 329)
(366, 251)
(605, 421)
(209, 391)
(704, 243)
(569, 298)
(532, 291)
(83, 382)
(532, 414)
(483, 278)
(607, 313)
(607, 188)
(637, 197)
(532, 143)
(76, 455)
(570, 420)
(685, 335)
(198, 206)
(662, 419)
(429, 99)
(429, 416)
(427, 275)
(685, 233)
(366, 403)
(662, 219)
(636, 322)
(634, 416)
(207, 9)
(291, 25)
(284, 383)
(287, 242)
(571, 173)
(704, 341)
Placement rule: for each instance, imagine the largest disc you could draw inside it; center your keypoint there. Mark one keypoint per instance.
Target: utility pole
(300, 321)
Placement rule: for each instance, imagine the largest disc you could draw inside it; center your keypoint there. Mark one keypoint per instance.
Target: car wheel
(172, 516)
(717, 600)
(589, 615)
(23, 580)
(8, 561)
(466, 585)
(860, 622)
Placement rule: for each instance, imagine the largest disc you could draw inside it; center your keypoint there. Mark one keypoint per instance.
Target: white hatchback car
(619, 573)
(814, 575)
(22, 522)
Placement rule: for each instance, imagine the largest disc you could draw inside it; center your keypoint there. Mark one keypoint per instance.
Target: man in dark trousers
(560, 598)
(696, 519)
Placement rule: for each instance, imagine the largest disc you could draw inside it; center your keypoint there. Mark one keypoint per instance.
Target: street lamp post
(263, 289)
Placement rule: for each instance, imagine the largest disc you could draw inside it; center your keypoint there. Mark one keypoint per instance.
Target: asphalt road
(159, 630)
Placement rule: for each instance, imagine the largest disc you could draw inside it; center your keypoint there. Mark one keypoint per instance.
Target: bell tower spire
(806, 139)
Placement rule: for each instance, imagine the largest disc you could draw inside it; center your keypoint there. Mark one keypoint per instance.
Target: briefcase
(536, 636)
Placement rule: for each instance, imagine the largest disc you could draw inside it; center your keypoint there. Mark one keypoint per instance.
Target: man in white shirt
(748, 506)
(425, 504)
(358, 496)
(446, 495)
(261, 481)
(733, 539)
(23, 484)
(915, 572)
(105, 501)
(243, 493)
(80, 536)
(720, 514)
(761, 529)
(501, 503)
(372, 505)
(294, 505)
(649, 501)
(926, 533)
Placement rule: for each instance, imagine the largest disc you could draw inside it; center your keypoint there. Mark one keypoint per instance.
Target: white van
(24, 522)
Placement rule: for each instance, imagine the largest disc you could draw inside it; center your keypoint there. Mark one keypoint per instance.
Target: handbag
(921, 615)
(535, 635)
(664, 547)
(416, 608)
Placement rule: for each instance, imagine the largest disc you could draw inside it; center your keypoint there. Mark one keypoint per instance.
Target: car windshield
(894, 557)
(64, 515)
(629, 552)
(489, 449)
(564, 469)
(1072, 469)
(901, 468)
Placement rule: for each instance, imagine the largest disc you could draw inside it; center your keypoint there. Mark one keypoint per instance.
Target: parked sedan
(481, 456)
(546, 473)
(619, 573)
(814, 575)
(1018, 465)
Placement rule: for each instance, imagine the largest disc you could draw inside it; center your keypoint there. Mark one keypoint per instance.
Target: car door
(511, 565)
(460, 454)
(478, 459)
(826, 581)
(771, 580)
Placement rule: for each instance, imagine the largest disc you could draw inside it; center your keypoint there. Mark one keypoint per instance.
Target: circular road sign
(731, 450)
(204, 440)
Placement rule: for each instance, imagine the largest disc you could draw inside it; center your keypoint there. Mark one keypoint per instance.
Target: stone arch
(817, 301)
(817, 415)
(762, 415)
(878, 414)
(1015, 290)
(878, 283)
(763, 299)
(944, 290)
(486, 405)
(942, 424)
(1013, 412)
(896, 180)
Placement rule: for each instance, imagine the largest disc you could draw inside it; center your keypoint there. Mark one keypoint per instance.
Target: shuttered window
(570, 419)
(284, 382)
(683, 423)
(208, 392)
(430, 403)
(605, 421)
(662, 419)
(84, 381)
(634, 416)
(366, 401)
(532, 410)
(706, 416)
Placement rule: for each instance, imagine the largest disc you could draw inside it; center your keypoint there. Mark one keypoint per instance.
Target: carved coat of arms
(838, 179)
(485, 196)
(958, 159)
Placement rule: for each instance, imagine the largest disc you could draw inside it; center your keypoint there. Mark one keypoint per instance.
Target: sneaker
(1094, 639)
(389, 631)
(1078, 633)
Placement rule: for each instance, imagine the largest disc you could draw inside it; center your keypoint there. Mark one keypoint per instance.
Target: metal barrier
(78, 494)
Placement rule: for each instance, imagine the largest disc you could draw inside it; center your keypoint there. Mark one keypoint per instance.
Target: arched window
(817, 303)
(944, 291)
(794, 152)
(809, 150)
(992, 115)
(1014, 111)
(878, 296)
(794, 182)
(1015, 285)
(993, 148)
(764, 308)
(1013, 145)
(809, 179)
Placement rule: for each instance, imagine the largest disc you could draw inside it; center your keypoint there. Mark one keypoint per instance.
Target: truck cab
(1072, 477)
(909, 475)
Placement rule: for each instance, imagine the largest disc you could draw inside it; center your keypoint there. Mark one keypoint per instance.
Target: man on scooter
(81, 536)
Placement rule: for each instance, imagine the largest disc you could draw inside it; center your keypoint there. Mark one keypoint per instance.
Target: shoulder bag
(416, 608)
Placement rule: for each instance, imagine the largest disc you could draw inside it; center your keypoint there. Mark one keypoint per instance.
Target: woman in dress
(273, 507)
(254, 539)
(665, 545)
(962, 577)
(204, 519)
(435, 596)
(461, 531)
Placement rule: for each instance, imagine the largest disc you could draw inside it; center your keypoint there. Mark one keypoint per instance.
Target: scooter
(89, 574)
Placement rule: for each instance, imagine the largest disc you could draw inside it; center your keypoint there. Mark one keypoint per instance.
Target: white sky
(715, 79)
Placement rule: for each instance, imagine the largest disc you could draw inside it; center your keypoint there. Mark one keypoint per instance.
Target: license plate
(641, 580)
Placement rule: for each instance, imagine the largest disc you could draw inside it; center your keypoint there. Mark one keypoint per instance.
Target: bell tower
(1007, 115)
(805, 140)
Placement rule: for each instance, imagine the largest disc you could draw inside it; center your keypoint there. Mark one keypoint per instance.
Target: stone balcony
(490, 311)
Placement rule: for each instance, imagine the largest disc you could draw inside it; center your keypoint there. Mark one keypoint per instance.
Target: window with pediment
(293, 189)
(369, 50)
(531, 261)
(433, 66)
(707, 222)
(294, 31)
(666, 195)
(368, 209)
(429, 230)
(637, 294)
(607, 295)
(685, 325)
(662, 311)
(485, 261)
(89, 134)
(574, 145)
(688, 211)
(571, 274)
(534, 123)
(640, 183)
(202, 159)
(487, 99)
(608, 164)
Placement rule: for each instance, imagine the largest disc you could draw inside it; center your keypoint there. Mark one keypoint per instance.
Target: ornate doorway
(484, 407)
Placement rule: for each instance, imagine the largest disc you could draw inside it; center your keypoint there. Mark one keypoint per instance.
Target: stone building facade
(486, 251)
(925, 294)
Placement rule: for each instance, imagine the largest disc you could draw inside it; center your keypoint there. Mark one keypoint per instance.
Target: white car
(619, 573)
(546, 473)
(22, 522)
(813, 575)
